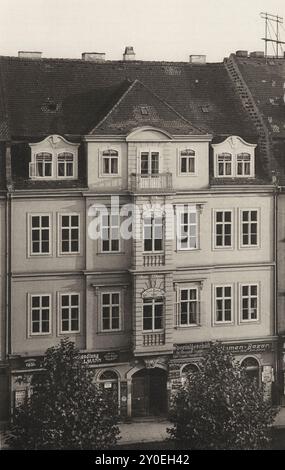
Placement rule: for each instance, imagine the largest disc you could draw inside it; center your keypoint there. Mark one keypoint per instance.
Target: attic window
(144, 110)
(206, 108)
(50, 106)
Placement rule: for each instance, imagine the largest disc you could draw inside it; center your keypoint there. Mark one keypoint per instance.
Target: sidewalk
(279, 422)
(143, 431)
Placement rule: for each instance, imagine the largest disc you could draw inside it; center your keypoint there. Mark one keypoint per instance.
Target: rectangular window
(40, 232)
(189, 307)
(153, 314)
(69, 233)
(44, 165)
(40, 314)
(224, 164)
(149, 163)
(243, 164)
(249, 228)
(187, 228)
(110, 311)
(223, 304)
(223, 229)
(249, 302)
(65, 165)
(187, 162)
(69, 313)
(110, 162)
(110, 233)
(153, 233)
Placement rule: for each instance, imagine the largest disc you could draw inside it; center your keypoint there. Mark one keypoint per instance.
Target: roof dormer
(234, 158)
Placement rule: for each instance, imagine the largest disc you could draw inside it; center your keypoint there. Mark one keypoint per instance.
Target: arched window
(252, 368)
(187, 162)
(65, 165)
(108, 375)
(43, 165)
(188, 371)
(225, 164)
(110, 162)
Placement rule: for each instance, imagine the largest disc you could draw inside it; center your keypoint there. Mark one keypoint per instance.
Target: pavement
(279, 422)
(139, 431)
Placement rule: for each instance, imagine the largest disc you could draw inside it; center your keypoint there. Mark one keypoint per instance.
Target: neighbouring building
(172, 144)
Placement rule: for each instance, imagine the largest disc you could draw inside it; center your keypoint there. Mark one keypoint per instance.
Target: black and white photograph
(142, 228)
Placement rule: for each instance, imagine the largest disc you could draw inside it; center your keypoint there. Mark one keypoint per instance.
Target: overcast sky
(157, 29)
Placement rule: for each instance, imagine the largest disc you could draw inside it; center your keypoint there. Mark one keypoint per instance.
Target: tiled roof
(138, 107)
(265, 80)
(70, 97)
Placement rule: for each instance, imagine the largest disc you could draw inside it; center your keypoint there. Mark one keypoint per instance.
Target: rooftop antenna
(272, 23)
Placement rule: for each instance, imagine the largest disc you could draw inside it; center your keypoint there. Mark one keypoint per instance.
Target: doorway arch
(149, 392)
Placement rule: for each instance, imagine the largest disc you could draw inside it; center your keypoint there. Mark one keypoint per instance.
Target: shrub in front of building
(221, 407)
(66, 409)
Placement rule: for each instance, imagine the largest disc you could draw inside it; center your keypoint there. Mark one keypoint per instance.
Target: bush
(66, 409)
(220, 407)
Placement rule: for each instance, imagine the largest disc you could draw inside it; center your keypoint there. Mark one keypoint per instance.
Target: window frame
(118, 157)
(153, 217)
(189, 287)
(153, 329)
(234, 164)
(59, 219)
(47, 152)
(150, 152)
(110, 293)
(250, 320)
(74, 166)
(224, 154)
(190, 156)
(59, 299)
(181, 209)
(223, 322)
(30, 309)
(214, 231)
(241, 223)
(30, 238)
(109, 227)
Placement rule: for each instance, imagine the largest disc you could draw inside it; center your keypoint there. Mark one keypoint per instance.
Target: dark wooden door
(140, 396)
(4, 396)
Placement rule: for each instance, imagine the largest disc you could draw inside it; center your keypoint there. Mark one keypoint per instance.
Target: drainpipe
(8, 251)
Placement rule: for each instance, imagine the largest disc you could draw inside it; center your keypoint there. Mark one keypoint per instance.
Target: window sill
(112, 332)
(103, 253)
(186, 327)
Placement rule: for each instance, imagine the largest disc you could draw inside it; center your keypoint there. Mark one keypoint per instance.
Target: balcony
(151, 260)
(156, 182)
(153, 339)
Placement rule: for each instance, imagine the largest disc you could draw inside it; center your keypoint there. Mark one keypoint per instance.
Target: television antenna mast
(272, 33)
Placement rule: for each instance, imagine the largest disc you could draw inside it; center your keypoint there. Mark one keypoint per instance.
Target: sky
(157, 29)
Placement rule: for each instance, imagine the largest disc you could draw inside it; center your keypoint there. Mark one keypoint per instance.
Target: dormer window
(244, 164)
(187, 162)
(234, 158)
(110, 162)
(225, 164)
(43, 165)
(53, 158)
(65, 165)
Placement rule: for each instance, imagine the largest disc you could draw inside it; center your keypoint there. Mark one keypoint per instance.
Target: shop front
(258, 358)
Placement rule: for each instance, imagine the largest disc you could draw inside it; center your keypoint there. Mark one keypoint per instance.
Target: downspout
(8, 250)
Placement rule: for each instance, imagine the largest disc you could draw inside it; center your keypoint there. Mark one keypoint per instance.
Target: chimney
(241, 53)
(256, 54)
(129, 53)
(29, 55)
(93, 56)
(197, 59)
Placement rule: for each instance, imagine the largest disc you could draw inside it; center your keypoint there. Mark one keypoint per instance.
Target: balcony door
(149, 164)
(149, 393)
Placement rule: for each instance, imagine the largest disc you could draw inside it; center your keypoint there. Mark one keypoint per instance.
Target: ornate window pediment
(54, 158)
(234, 158)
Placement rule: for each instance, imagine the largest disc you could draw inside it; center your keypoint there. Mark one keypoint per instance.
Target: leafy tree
(220, 407)
(66, 409)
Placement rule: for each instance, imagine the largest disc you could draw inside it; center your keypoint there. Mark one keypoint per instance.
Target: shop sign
(188, 349)
(90, 358)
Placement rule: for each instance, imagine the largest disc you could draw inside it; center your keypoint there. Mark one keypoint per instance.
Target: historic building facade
(139, 223)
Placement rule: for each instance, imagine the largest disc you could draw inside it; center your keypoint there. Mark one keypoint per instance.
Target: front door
(149, 395)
